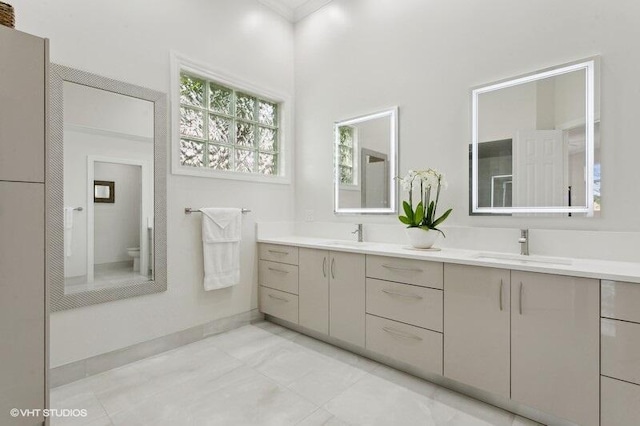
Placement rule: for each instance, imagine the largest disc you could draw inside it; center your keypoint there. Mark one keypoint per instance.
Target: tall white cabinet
(23, 301)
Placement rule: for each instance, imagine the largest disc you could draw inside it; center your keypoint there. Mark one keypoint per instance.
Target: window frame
(180, 64)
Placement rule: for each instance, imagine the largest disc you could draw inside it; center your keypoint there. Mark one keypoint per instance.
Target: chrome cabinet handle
(282, 299)
(501, 289)
(400, 268)
(401, 334)
(278, 252)
(520, 297)
(324, 267)
(333, 264)
(279, 270)
(408, 296)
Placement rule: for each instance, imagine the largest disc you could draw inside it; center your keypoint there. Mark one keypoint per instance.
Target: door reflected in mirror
(108, 145)
(536, 144)
(365, 159)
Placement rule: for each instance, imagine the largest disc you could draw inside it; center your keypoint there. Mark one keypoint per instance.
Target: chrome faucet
(359, 232)
(524, 242)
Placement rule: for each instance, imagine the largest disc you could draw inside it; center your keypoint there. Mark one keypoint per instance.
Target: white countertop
(587, 268)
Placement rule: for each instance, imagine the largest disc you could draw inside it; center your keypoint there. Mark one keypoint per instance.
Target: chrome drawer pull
(278, 270)
(282, 299)
(333, 264)
(520, 298)
(501, 286)
(401, 334)
(408, 296)
(400, 268)
(278, 252)
(324, 267)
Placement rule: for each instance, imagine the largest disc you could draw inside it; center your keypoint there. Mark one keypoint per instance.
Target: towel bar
(189, 210)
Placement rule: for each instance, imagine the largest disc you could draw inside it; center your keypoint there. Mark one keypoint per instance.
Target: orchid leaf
(408, 210)
(436, 229)
(430, 213)
(405, 220)
(442, 218)
(419, 214)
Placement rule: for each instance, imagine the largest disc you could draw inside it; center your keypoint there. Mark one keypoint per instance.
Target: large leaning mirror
(107, 174)
(366, 163)
(535, 143)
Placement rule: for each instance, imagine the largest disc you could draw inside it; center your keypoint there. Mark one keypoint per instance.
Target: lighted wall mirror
(536, 143)
(366, 162)
(107, 192)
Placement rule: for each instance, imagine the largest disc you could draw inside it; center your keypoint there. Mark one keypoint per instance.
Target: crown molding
(295, 14)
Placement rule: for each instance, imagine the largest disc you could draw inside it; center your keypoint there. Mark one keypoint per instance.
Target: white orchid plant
(424, 215)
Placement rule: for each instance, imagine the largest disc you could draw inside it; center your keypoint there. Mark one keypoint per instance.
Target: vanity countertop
(587, 268)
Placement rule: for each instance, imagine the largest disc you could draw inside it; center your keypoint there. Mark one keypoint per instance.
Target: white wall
(131, 41)
(357, 56)
(117, 224)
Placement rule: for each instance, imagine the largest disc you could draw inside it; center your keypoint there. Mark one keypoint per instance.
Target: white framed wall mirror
(366, 163)
(536, 143)
(108, 189)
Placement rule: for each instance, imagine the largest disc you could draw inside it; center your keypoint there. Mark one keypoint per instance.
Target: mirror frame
(392, 113)
(55, 191)
(589, 65)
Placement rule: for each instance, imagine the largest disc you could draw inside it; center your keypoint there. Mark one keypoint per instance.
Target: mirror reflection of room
(533, 144)
(364, 151)
(108, 173)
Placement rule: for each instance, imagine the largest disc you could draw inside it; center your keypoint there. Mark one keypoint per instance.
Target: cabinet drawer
(279, 276)
(278, 253)
(620, 300)
(408, 271)
(620, 403)
(412, 345)
(620, 349)
(279, 304)
(406, 303)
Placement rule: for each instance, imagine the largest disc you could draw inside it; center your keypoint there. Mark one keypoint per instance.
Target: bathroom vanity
(532, 335)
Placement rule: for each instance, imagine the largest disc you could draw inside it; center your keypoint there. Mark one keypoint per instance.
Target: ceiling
(295, 10)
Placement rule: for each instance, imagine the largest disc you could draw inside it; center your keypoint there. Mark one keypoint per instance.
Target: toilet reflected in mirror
(108, 152)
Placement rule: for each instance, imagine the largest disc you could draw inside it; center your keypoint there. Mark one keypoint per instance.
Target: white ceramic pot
(422, 238)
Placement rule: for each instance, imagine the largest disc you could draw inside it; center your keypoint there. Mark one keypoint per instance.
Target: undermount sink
(524, 259)
(348, 243)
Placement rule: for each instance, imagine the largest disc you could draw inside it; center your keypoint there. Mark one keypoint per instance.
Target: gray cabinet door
(555, 345)
(347, 297)
(22, 106)
(314, 289)
(22, 300)
(477, 334)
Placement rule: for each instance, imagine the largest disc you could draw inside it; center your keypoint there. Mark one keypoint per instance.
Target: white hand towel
(221, 234)
(68, 230)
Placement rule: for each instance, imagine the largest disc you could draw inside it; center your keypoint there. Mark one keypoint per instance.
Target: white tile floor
(264, 374)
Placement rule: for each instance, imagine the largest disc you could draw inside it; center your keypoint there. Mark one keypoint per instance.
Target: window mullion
(232, 132)
(205, 127)
(256, 154)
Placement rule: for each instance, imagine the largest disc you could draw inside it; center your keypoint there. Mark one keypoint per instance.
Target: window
(346, 157)
(225, 129)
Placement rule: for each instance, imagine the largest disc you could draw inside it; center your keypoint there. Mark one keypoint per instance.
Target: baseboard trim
(77, 370)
